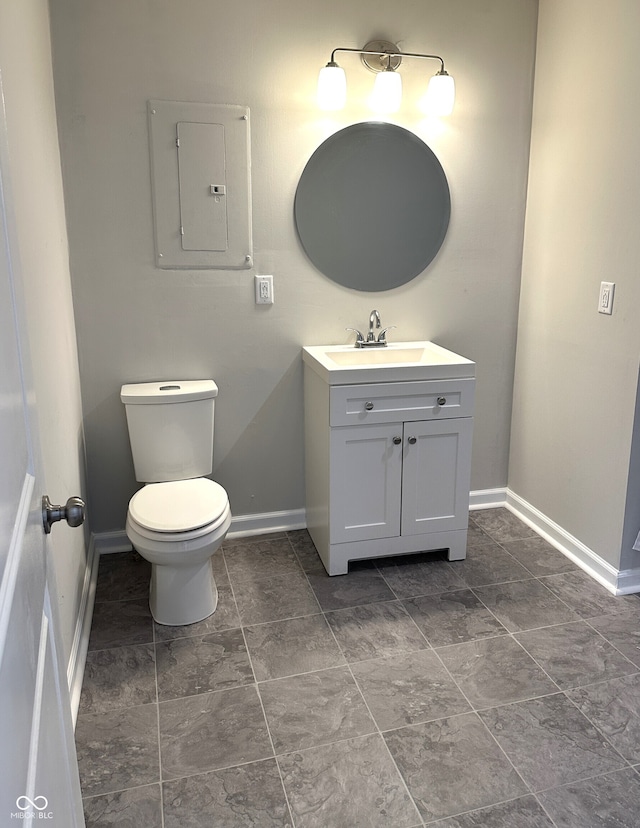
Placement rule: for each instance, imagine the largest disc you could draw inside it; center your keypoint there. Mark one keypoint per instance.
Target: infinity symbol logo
(39, 803)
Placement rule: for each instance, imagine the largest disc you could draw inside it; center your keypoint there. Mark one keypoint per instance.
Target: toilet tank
(170, 428)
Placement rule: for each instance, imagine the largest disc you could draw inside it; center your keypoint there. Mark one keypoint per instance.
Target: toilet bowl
(177, 527)
(180, 517)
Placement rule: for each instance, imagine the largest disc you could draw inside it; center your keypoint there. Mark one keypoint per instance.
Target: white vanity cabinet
(387, 467)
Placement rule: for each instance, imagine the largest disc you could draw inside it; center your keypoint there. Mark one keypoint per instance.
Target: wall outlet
(264, 290)
(605, 300)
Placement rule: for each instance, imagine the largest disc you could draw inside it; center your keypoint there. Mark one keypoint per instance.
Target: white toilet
(179, 518)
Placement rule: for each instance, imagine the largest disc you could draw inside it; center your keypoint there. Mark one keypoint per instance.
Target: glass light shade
(332, 87)
(440, 95)
(387, 92)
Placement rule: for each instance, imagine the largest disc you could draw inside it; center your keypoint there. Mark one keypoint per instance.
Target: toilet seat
(181, 507)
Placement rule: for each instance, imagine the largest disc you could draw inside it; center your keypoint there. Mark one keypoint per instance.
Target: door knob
(412, 440)
(397, 440)
(73, 512)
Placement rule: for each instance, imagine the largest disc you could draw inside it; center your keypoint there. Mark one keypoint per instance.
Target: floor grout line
(155, 660)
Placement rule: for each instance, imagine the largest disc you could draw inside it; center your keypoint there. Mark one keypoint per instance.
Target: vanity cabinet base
(336, 557)
(387, 468)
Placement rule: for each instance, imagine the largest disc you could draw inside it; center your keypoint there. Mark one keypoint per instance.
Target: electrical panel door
(201, 177)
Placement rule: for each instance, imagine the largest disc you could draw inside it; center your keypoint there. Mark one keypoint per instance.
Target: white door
(38, 770)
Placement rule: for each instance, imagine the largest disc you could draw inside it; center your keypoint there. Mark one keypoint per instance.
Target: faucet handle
(382, 336)
(359, 337)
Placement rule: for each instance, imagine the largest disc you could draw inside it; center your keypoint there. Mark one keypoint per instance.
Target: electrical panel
(201, 185)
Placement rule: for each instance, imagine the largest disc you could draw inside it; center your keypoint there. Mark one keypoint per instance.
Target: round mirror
(372, 206)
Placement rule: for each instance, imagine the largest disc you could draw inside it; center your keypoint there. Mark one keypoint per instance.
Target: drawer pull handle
(397, 440)
(442, 400)
(412, 440)
(368, 406)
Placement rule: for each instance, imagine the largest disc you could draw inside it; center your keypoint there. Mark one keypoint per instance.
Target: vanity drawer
(401, 401)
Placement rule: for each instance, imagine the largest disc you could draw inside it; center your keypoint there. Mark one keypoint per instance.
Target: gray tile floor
(502, 691)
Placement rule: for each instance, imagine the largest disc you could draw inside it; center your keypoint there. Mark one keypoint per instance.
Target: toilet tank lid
(174, 391)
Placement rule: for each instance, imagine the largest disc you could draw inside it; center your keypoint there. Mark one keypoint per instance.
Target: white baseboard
(241, 527)
(108, 542)
(487, 498)
(616, 581)
(619, 582)
(246, 525)
(80, 644)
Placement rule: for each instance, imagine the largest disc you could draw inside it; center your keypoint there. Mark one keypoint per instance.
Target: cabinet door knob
(368, 406)
(442, 400)
(397, 440)
(412, 440)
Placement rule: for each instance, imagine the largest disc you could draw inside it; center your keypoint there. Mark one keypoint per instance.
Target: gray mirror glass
(372, 206)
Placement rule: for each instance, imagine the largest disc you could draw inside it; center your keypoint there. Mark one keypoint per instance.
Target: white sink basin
(345, 364)
(376, 356)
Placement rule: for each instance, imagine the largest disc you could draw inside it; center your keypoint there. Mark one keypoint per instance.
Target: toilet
(180, 517)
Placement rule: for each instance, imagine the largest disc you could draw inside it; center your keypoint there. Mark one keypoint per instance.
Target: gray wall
(574, 412)
(36, 184)
(137, 323)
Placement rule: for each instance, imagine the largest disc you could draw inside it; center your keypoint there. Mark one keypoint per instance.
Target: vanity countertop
(398, 361)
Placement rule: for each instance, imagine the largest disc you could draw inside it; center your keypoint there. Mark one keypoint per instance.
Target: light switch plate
(605, 300)
(264, 290)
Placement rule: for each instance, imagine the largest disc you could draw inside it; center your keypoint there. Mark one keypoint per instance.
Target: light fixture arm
(385, 54)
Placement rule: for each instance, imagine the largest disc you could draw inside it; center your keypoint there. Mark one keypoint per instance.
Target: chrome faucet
(371, 341)
(374, 316)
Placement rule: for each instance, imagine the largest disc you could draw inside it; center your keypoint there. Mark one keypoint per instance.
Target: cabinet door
(436, 473)
(365, 482)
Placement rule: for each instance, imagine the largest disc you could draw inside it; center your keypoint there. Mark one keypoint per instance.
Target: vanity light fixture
(384, 58)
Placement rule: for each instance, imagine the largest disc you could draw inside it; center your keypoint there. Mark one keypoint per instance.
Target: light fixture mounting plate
(379, 63)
